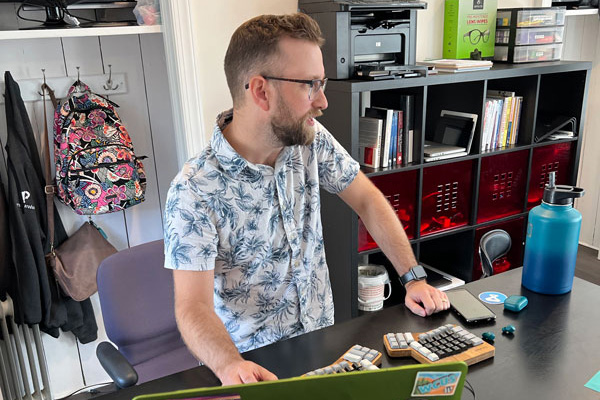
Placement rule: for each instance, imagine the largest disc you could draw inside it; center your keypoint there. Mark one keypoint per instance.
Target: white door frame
(186, 100)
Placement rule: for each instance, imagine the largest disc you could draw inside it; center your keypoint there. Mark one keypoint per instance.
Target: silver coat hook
(78, 84)
(44, 85)
(109, 82)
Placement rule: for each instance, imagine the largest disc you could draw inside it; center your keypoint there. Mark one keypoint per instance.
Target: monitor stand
(54, 19)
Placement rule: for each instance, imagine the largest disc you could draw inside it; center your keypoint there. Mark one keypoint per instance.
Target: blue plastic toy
(509, 329)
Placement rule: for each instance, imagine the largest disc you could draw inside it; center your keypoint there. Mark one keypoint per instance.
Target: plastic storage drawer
(523, 36)
(532, 17)
(521, 54)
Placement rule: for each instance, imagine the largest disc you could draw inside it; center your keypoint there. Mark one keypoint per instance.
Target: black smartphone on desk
(468, 307)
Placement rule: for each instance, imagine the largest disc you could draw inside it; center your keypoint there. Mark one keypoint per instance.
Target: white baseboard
(591, 247)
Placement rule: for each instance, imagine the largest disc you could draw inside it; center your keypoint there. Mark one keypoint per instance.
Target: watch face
(416, 273)
(419, 272)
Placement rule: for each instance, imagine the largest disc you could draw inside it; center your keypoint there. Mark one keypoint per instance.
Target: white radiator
(22, 359)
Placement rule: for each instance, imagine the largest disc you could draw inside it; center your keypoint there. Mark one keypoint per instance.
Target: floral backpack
(97, 171)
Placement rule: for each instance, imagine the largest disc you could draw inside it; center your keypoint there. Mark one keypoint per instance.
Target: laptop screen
(438, 381)
(455, 129)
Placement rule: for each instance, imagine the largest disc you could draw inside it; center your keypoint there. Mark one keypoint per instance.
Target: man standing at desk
(243, 226)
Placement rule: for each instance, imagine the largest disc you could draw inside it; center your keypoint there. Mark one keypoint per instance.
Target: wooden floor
(588, 265)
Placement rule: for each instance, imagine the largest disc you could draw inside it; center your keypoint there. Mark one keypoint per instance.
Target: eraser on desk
(515, 303)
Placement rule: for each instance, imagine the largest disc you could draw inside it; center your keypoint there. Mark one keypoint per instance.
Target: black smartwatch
(416, 273)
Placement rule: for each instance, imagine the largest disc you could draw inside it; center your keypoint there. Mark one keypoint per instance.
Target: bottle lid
(560, 194)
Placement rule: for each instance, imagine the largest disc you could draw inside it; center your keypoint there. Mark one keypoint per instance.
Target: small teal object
(515, 303)
(488, 336)
(509, 329)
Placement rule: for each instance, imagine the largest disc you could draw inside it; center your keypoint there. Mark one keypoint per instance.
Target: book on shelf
(370, 133)
(393, 139)
(500, 93)
(397, 140)
(407, 102)
(454, 66)
(501, 120)
(486, 128)
(400, 142)
(387, 116)
(517, 120)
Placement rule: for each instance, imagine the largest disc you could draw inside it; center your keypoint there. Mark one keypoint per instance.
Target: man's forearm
(382, 223)
(205, 335)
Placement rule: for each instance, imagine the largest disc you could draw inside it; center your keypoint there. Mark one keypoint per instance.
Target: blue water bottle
(552, 240)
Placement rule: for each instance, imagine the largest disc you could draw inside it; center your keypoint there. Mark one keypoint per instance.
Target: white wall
(581, 43)
(219, 20)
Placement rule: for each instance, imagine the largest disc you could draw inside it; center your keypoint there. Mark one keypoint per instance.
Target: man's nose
(320, 101)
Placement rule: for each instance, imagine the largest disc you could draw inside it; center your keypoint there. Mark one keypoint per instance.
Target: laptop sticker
(438, 383)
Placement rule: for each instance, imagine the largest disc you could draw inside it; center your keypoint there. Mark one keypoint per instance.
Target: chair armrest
(116, 365)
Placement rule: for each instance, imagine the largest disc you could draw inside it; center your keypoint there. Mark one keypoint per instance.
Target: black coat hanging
(26, 208)
(6, 277)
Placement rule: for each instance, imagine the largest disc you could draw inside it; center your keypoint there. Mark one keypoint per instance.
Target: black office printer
(365, 33)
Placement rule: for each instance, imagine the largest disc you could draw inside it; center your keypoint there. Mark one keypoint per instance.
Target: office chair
(493, 245)
(136, 297)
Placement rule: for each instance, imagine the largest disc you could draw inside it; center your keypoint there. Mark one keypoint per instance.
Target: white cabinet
(145, 109)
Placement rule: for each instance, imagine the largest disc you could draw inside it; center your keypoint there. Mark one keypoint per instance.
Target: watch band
(416, 273)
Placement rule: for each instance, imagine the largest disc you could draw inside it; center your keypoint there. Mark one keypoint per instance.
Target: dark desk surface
(553, 353)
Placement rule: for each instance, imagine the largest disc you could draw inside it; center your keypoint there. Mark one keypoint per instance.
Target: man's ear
(259, 92)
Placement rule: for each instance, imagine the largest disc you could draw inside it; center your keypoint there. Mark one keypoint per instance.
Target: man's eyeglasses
(314, 84)
(475, 35)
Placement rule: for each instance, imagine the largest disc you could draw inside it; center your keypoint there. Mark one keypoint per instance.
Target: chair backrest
(136, 297)
(493, 245)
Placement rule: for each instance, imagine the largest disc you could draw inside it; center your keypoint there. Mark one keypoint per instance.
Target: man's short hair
(254, 46)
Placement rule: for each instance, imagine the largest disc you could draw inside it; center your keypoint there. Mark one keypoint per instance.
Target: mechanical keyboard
(357, 358)
(446, 343)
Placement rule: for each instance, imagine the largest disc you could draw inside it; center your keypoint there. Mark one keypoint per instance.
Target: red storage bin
(514, 258)
(502, 185)
(557, 158)
(446, 196)
(400, 189)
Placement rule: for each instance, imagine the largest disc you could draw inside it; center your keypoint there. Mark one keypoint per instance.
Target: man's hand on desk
(423, 299)
(242, 371)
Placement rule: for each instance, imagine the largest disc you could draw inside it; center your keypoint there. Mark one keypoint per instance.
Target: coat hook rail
(31, 88)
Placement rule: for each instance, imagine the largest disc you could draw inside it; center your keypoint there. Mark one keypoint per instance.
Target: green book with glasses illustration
(469, 28)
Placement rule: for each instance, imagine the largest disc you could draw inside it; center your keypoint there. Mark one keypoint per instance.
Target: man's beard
(290, 132)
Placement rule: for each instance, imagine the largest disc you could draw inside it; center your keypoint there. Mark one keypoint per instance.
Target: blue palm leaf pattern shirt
(260, 229)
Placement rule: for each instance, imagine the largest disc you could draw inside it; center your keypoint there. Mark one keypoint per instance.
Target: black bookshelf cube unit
(526, 120)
